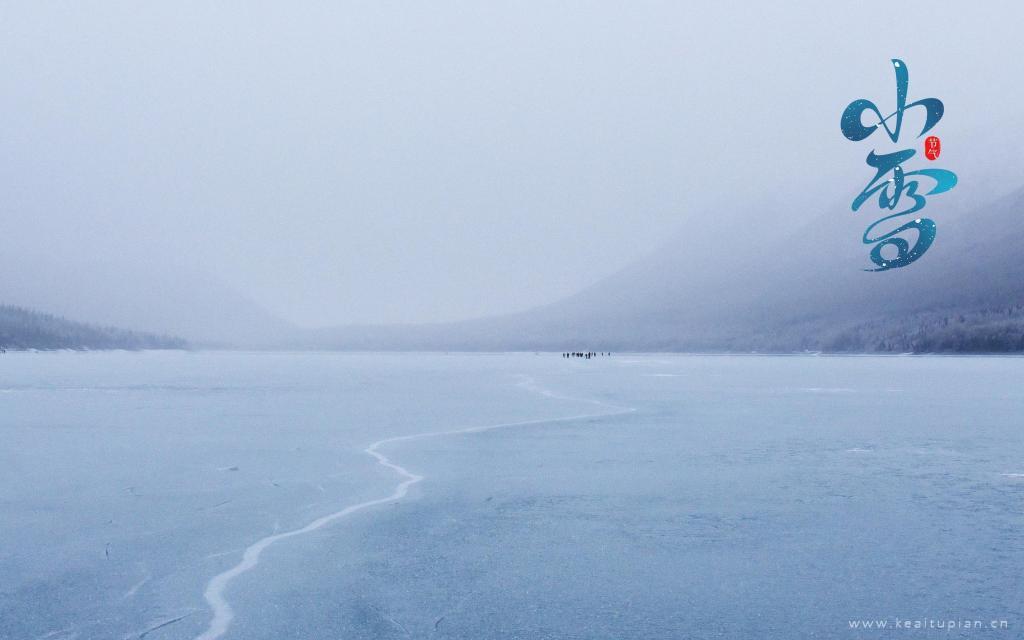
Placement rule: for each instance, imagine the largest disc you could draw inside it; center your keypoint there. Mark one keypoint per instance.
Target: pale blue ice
(222, 494)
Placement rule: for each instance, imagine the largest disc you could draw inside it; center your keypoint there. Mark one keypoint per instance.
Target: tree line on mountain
(992, 330)
(22, 328)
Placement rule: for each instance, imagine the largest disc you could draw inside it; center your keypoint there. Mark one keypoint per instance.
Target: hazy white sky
(396, 161)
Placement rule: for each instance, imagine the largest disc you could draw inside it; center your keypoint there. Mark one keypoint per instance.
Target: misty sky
(390, 162)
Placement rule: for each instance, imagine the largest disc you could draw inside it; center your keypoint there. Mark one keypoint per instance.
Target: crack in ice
(223, 614)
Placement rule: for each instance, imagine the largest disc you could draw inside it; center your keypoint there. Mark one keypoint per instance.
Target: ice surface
(743, 497)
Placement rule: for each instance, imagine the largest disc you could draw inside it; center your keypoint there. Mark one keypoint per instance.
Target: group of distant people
(584, 354)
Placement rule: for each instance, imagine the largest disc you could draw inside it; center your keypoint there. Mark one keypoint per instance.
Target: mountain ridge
(786, 296)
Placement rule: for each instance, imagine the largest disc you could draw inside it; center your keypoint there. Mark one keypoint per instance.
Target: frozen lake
(219, 494)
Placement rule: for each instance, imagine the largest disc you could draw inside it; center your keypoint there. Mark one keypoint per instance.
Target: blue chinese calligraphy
(891, 181)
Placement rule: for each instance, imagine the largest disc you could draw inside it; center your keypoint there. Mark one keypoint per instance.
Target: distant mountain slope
(809, 292)
(154, 297)
(24, 329)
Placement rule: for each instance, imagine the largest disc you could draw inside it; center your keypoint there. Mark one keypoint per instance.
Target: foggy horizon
(396, 164)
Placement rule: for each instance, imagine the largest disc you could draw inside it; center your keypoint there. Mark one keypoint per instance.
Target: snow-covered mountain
(809, 292)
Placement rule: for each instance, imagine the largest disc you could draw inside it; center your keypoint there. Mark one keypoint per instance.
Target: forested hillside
(25, 329)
